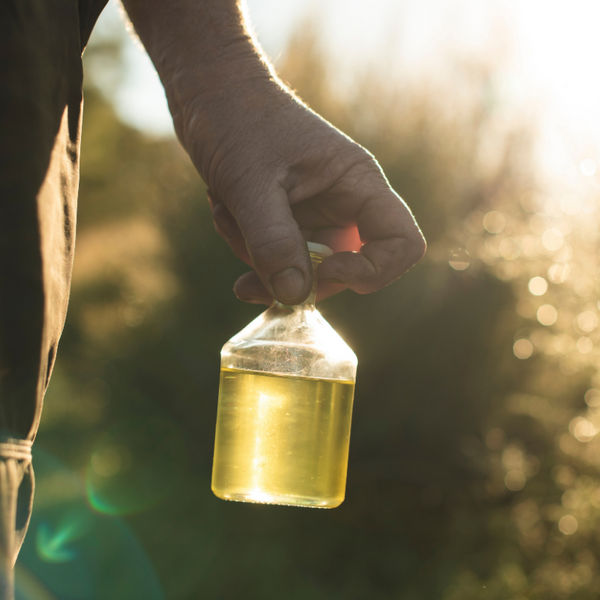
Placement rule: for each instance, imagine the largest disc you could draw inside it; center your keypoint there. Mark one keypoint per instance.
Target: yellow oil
(282, 440)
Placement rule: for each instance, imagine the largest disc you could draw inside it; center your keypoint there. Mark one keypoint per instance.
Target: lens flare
(134, 466)
(71, 552)
(53, 544)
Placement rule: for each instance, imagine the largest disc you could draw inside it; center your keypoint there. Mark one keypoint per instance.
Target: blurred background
(474, 462)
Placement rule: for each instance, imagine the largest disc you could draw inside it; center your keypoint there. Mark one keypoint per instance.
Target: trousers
(41, 76)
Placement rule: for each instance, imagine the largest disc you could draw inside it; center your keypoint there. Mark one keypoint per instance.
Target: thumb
(276, 246)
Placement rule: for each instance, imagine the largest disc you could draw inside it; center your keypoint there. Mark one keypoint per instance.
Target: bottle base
(260, 497)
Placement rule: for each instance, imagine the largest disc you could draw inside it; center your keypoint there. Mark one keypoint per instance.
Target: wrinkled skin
(278, 174)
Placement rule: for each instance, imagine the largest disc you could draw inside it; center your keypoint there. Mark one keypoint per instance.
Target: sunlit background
(475, 455)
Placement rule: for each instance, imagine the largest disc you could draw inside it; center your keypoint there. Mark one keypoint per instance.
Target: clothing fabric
(41, 43)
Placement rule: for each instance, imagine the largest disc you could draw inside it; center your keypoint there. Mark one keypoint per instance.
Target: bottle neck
(311, 299)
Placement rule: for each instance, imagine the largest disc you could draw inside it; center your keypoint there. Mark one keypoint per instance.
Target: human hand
(281, 176)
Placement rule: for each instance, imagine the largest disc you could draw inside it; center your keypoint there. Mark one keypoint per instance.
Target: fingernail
(251, 300)
(288, 284)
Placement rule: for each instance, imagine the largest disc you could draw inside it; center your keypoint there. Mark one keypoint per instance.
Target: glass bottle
(285, 406)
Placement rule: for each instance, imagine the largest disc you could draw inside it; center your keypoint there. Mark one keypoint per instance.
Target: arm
(277, 173)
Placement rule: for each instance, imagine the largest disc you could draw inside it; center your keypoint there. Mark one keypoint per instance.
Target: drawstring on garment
(15, 448)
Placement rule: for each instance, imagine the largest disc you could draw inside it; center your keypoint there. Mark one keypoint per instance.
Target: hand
(281, 176)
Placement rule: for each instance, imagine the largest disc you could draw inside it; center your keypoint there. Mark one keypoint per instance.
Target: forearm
(187, 36)
(204, 54)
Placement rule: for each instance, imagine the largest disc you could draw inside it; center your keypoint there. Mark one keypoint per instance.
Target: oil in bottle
(282, 439)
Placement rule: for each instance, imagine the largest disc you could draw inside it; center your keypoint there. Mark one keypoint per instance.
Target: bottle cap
(319, 249)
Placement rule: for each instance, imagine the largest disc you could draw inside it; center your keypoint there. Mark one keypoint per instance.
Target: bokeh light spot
(570, 204)
(568, 525)
(558, 273)
(510, 249)
(587, 321)
(585, 345)
(515, 480)
(108, 461)
(547, 314)
(523, 349)
(552, 239)
(459, 259)
(587, 167)
(538, 286)
(512, 457)
(582, 429)
(592, 397)
(494, 221)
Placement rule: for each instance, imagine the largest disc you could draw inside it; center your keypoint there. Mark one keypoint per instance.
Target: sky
(409, 33)
(550, 54)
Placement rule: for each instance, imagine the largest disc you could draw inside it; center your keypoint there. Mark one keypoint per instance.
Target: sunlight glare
(587, 167)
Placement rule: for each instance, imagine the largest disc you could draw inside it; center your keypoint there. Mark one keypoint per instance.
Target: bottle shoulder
(291, 341)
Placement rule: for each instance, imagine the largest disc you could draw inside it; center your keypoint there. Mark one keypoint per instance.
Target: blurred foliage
(474, 464)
